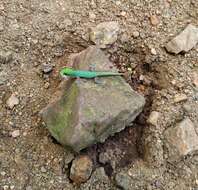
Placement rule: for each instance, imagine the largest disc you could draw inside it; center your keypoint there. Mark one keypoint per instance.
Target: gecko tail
(111, 74)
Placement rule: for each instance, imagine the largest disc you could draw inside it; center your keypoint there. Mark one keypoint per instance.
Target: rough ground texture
(40, 32)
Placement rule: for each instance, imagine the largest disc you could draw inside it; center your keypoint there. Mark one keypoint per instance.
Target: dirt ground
(38, 32)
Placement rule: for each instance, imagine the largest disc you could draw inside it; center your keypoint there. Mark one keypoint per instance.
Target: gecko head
(65, 71)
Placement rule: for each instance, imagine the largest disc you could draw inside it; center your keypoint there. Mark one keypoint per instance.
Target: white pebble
(180, 98)
(15, 133)
(136, 34)
(3, 173)
(153, 118)
(153, 51)
(12, 101)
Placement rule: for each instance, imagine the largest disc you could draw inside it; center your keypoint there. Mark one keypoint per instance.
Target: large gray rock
(83, 113)
(185, 41)
(181, 139)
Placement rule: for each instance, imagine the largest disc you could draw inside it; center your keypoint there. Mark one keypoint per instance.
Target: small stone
(68, 159)
(24, 134)
(1, 23)
(3, 77)
(98, 180)
(153, 51)
(100, 174)
(181, 139)
(154, 118)
(105, 34)
(28, 188)
(104, 157)
(5, 187)
(123, 13)
(195, 79)
(67, 22)
(12, 101)
(136, 34)
(81, 169)
(154, 20)
(92, 16)
(145, 79)
(46, 85)
(3, 173)
(47, 68)
(43, 169)
(188, 108)
(123, 181)
(5, 57)
(180, 98)
(185, 41)
(1, 7)
(15, 133)
(124, 38)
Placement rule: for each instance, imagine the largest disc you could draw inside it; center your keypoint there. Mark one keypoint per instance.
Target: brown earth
(40, 32)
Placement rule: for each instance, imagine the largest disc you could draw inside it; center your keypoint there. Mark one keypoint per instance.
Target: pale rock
(123, 13)
(1, 23)
(154, 20)
(185, 41)
(66, 23)
(124, 38)
(43, 169)
(46, 85)
(123, 181)
(105, 33)
(180, 98)
(68, 159)
(136, 34)
(47, 68)
(153, 51)
(181, 139)
(3, 173)
(3, 77)
(5, 57)
(15, 133)
(92, 16)
(195, 79)
(12, 101)
(154, 118)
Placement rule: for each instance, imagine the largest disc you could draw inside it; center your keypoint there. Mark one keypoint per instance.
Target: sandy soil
(41, 32)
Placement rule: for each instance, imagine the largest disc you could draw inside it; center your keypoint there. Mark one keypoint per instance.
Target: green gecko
(87, 74)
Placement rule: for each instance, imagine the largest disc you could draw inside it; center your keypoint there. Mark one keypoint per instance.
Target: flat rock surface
(86, 112)
(185, 41)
